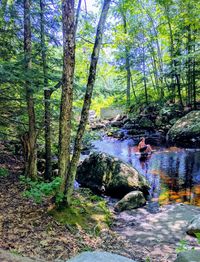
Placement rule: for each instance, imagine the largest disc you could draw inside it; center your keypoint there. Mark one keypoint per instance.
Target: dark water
(173, 173)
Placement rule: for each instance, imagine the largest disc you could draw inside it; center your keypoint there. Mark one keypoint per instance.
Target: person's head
(142, 139)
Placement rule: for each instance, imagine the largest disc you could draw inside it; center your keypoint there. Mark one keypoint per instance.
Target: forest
(99, 130)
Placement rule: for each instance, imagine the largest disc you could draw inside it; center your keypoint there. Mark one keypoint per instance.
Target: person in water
(143, 148)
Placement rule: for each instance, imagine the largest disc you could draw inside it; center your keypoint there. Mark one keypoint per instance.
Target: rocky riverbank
(159, 124)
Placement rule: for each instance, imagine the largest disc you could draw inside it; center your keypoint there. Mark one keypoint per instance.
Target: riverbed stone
(194, 226)
(117, 123)
(98, 256)
(186, 130)
(130, 201)
(188, 256)
(146, 123)
(117, 178)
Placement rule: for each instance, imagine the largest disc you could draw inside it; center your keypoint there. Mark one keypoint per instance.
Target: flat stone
(8, 256)
(98, 256)
(194, 226)
(188, 256)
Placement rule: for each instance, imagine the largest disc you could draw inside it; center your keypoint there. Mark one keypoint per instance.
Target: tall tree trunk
(189, 67)
(144, 74)
(194, 74)
(31, 165)
(128, 69)
(68, 21)
(77, 15)
(159, 54)
(133, 88)
(47, 96)
(171, 53)
(87, 102)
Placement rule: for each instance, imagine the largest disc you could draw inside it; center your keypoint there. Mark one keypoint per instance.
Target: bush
(38, 190)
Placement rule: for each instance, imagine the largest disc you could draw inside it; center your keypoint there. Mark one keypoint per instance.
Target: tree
(30, 138)
(68, 170)
(47, 96)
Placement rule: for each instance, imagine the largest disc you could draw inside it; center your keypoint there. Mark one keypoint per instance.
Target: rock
(98, 256)
(129, 125)
(6, 256)
(189, 256)
(194, 226)
(117, 177)
(116, 123)
(130, 201)
(186, 130)
(97, 126)
(146, 123)
(133, 132)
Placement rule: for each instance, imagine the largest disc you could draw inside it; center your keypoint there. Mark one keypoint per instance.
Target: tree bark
(87, 102)
(189, 67)
(68, 21)
(144, 74)
(77, 15)
(47, 96)
(194, 74)
(128, 70)
(31, 160)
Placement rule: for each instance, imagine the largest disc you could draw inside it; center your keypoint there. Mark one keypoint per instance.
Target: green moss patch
(88, 212)
(3, 172)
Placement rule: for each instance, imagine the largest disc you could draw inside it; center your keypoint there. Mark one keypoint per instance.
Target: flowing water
(173, 173)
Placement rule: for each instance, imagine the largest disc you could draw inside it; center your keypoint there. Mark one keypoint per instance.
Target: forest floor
(27, 228)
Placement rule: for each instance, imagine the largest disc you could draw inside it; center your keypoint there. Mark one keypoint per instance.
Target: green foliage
(3, 172)
(184, 245)
(38, 190)
(90, 136)
(87, 211)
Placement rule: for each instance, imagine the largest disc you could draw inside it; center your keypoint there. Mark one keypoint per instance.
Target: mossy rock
(146, 123)
(103, 172)
(188, 256)
(130, 201)
(186, 130)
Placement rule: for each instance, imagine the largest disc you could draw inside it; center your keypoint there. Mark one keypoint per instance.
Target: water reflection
(173, 173)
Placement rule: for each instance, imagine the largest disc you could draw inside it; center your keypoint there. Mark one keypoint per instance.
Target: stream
(173, 173)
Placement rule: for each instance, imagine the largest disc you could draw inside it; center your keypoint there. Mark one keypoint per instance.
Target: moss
(3, 172)
(87, 212)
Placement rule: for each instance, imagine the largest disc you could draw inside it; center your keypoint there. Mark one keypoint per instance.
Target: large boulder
(130, 201)
(99, 256)
(194, 226)
(116, 178)
(146, 123)
(189, 256)
(186, 130)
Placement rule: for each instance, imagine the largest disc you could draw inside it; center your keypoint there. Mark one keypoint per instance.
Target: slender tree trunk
(189, 69)
(68, 21)
(87, 102)
(77, 15)
(47, 96)
(144, 74)
(171, 53)
(128, 69)
(159, 55)
(133, 88)
(31, 165)
(194, 74)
